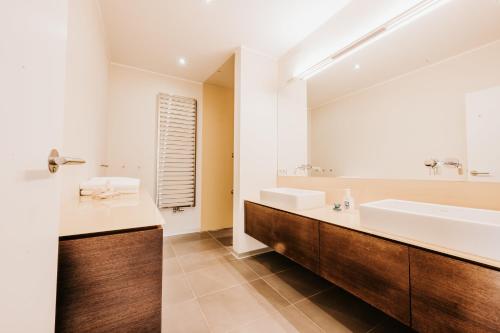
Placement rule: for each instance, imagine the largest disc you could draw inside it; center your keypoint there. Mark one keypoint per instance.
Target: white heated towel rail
(176, 159)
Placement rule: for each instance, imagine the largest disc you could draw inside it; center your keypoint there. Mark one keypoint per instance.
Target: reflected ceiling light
(182, 61)
(422, 8)
(357, 66)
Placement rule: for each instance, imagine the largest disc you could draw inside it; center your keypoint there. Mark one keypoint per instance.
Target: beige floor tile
(195, 261)
(176, 289)
(188, 237)
(225, 241)
(220, 276)
(227, 232)
(184, 318)
(267, 295)
(232, 308)
(337, 311)
(288, 320)
(171, 267)
(168, 252)
(195, 246)
(297, 283)
(269, 263)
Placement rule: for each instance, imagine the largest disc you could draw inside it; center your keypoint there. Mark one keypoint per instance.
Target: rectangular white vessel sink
(469, 230)
(292, 198)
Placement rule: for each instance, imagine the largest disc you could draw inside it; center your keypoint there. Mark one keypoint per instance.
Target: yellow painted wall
(217, 161)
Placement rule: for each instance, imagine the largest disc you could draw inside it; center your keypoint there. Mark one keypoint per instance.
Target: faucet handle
(432, 163)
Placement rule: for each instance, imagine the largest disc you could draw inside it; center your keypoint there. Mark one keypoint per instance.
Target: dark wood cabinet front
(297, 238)
(371, 268)
(428, 291)
(451, 295)
(259, 222)
(292, 235)
(110, 283)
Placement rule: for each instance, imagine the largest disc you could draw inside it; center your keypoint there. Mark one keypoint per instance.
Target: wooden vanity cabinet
(374, 269)
(110, 282)
(451, 295)
(428, 291)
(292, 235)
(297, 238)
(259, 222)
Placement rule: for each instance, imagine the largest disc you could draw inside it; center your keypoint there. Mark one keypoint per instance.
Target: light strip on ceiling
(422, 8)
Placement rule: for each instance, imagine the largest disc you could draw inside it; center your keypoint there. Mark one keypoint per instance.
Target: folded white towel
(94, 186)
(98, 185)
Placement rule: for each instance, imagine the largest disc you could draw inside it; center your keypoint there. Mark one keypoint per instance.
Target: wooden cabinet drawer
(450, 295)
(297, 238)
(259, 222)
(292, 235)
(371, 268)
(110, 283)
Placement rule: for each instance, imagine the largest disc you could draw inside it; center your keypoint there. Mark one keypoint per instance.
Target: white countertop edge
(86, 216)
(350, 220)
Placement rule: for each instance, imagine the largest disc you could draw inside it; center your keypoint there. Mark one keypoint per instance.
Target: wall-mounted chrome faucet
(434, 164)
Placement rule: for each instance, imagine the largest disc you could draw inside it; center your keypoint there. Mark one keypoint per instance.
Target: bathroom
(245, 166)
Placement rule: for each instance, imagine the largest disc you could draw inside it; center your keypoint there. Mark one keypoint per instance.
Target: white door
(483, 134)
(32, 64)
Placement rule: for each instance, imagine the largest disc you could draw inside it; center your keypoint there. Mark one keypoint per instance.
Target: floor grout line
(218, 241)
(313, 295)
(377, 325)
(195, 298)
(218, 259)
(249, 323)
(308, 318)
(290, 303)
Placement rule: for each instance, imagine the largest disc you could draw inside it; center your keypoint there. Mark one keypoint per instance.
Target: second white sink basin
(469, 230)
(292, 198)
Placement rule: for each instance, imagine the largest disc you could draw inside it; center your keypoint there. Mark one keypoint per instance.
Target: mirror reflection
(419, 99)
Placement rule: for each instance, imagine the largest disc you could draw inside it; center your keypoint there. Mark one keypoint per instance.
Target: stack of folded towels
(109, 186)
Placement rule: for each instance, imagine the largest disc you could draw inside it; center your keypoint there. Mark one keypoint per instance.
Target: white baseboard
(179, 232)
(250, 253)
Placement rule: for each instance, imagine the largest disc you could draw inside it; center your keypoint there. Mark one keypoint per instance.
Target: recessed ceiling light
(357, 66)
(182, 61)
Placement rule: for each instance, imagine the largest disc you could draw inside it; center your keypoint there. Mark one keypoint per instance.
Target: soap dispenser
(348, 200)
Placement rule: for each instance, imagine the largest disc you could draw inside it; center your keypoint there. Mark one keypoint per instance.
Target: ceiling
(154, 34)
(451, 29)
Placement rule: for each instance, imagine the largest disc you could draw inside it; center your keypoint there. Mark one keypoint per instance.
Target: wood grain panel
(297, 238)
(450, 295)
(371, 268)
(259, 222)
(110, 283)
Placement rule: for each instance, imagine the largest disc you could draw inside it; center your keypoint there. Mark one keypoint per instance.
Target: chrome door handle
(478, 173)
(54, 161)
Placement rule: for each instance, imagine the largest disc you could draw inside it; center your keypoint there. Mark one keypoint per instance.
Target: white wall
(387, 131)
(132, 133)
(85, 114)
(292, 127)
(255, 132)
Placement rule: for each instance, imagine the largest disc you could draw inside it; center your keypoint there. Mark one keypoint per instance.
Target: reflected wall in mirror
(426, 93)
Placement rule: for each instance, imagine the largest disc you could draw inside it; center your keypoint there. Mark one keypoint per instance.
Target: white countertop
(85, 215)
(350, 219)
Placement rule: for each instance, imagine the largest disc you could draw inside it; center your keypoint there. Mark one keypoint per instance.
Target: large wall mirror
(421, 101)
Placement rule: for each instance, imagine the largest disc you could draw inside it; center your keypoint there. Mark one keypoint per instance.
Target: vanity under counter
(110, 265)
(425, 286)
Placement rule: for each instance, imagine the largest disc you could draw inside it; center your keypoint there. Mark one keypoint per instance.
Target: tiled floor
(205, 289)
